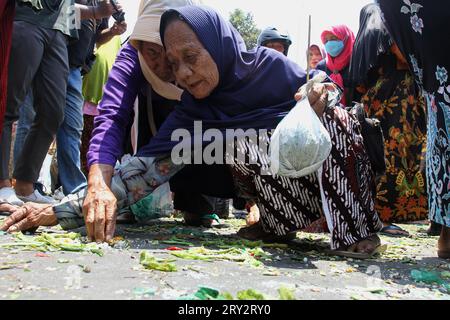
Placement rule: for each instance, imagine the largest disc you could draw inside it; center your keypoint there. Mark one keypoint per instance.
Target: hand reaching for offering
(317, 96)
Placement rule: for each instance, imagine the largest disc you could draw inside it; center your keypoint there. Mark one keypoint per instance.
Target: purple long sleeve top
(116, 109)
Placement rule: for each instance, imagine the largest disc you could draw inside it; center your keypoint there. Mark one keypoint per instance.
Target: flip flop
(255, 233)
(216, 222)
(393, 227)
(206, 221)
(358, 255)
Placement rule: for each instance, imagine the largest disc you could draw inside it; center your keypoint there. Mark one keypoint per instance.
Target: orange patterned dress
(395, 101)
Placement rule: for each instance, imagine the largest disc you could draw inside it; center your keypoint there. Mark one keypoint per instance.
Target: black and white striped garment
(344, 194)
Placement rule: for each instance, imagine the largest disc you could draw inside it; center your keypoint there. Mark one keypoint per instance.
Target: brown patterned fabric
(288, 205)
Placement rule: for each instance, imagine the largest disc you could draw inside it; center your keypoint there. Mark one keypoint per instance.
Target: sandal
(358, 255)
(387, 231)
(206, 221)
(255, 233)
(347, 253)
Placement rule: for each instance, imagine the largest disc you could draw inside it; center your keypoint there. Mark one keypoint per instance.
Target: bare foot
(195, 220)
(368, 245)
(253, 215)
(364, 246)
(256, 233)
(435, 229)
(444, 243)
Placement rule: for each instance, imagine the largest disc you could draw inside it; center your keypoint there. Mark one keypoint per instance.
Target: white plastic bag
(300, 143)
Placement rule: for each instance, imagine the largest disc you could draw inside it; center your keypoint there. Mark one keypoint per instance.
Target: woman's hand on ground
(100, 205)
(29, 216)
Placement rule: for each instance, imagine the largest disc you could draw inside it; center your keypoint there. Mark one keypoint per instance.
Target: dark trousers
(203, 189)
(38, 60)
(7, 9)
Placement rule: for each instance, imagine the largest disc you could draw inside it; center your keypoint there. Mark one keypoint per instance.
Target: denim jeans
(68, 138)
(26, 117)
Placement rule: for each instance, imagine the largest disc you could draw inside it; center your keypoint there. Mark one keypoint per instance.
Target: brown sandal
(255, 232)
(349, 253)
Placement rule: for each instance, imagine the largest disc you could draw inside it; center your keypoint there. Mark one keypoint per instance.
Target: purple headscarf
(256, 88)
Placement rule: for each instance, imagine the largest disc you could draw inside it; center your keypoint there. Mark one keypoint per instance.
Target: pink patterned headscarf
(343, 33)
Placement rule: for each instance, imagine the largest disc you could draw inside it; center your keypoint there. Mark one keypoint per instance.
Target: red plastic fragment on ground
(41, 255)
(174, 249)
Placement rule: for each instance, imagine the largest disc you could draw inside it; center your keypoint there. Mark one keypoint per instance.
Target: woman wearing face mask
(338, 41)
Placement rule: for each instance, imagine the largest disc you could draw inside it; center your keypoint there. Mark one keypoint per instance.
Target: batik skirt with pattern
(342, 190)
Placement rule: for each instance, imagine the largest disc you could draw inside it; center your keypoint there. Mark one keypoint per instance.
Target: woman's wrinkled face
(155, 57)
(192, 65)
(315, 56)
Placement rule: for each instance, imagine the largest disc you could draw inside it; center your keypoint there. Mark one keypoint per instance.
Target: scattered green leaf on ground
(152, 263)
(52, 242)
(250, 294)
(286, 293)
(231, 254)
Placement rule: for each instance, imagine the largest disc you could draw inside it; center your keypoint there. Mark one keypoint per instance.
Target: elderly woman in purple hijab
(228, 88)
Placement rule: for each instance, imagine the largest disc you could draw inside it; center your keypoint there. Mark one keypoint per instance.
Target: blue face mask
(334, 47)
